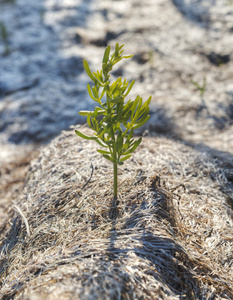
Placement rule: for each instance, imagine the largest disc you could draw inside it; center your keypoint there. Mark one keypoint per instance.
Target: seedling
(114, 120)
(201, 88)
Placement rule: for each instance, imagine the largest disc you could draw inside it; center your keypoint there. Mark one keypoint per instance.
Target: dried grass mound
(166, 241)
(12, 175)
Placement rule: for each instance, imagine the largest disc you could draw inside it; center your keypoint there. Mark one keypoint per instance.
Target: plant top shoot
(114, 119)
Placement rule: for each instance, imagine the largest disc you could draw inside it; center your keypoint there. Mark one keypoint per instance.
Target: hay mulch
(13, 169)
(171, 236)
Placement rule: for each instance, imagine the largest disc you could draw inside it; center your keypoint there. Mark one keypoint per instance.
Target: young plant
(114, 120)
(201, 88)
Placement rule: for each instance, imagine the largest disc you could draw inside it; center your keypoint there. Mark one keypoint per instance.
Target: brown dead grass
(12, 177)
(172, 237)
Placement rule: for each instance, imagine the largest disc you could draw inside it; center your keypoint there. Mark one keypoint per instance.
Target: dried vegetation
(13, 170)
(167, 240)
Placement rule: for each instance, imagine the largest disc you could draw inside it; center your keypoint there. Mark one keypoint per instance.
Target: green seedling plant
(114, 119)
(201, 88)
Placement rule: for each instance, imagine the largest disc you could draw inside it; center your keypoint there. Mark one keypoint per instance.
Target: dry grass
(165, 242)
(12, 176)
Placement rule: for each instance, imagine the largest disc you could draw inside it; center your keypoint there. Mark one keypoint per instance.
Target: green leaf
(147, 103)
(106, 55)
(144, 111)
(99, 77)
(126, 157)
(137, 110)
(119, 142)
(111, 134)
(126, 117)
(108, 118)
(109, 143)
(149, 100)
(95, 92)
(127, 107)
(116, 100)
(86, 137)
(134, 147)
(127, 56)
(103, 152)
(88, 71)
(117, 60)
(84, 113)
(116, 49)
(90, 92)
(123, 89)
(95, 112)
(129, 135)
(102, 94)
(143, 114)
(121, 46)
(133, 108)
(105, 129)
(99, 111)
(112, 87)
(129, 88)
(120, 54)
(114, 119)
(139, 124)
(89, 120)
(100, 143)
(99, 133)
(109, 158)
(119, 111)
(115, 86)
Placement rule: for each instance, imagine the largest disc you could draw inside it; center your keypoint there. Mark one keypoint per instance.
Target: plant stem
(114, 166)
(115, 180)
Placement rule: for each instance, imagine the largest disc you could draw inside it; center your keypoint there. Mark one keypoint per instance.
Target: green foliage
(114, 120)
